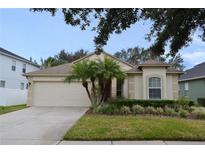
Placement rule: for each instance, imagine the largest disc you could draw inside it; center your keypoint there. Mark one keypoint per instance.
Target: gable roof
(154, 63)
(196, 72)
(170, 70)
(15, 56)
(65, 69)
(135, 69)
(60, 70)
(105, 54)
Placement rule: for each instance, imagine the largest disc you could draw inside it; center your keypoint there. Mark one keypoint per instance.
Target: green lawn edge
(12, 108)
(104, 127)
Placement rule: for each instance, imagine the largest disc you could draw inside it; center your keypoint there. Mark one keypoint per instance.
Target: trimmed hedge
(201, 101)
(154, 103)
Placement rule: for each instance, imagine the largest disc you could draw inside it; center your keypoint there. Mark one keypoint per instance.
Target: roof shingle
(197, 71)
(61, 70)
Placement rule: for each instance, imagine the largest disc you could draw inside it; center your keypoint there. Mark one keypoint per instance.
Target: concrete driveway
(38, 125)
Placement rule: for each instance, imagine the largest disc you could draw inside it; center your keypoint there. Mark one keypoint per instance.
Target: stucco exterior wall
(154, 72)
(172, 86)
(135, 89)
(123, 66)
(138, 84)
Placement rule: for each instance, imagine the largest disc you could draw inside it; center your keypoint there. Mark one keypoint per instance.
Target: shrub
(170, 111)
(150, 110)
(125, 110)
(107, 109)
(159, 111)
(192, 108)
(201, 101)
(199, 112)
(184, 103)
(137, 109)
(143, 103)
(183, 113)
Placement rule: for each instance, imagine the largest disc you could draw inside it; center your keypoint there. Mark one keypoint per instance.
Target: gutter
(201, 77)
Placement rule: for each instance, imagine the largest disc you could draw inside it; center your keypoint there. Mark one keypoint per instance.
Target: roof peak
(9, 53)
(154, 63)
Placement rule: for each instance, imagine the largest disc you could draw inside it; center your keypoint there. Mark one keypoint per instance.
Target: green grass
(102, 127)
(6, 109)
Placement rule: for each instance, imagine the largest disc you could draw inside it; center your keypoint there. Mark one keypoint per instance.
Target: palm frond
(71, 78)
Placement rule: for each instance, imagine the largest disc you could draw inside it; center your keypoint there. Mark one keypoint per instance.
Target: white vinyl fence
(12, 96)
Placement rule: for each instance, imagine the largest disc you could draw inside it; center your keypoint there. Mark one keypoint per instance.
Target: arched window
(154, 88)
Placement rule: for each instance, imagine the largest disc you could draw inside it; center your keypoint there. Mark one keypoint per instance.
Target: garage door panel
(59, 94)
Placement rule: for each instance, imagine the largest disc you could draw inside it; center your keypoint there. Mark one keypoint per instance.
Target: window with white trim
(24, 68)
(13, 66)
(186, 86)
(154, 88)
(2, 83)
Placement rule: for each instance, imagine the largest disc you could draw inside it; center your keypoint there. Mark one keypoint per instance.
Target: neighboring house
(192, 82)
(150, 80)
(13, 86)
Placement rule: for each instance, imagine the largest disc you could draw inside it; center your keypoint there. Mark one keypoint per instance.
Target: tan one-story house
(150, 80)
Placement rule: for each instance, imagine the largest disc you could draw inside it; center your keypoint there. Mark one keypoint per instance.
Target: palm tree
(107, 69)
(81, 71)
(100, 73)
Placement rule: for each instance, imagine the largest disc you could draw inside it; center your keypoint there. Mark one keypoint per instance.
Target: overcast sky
(39, 35)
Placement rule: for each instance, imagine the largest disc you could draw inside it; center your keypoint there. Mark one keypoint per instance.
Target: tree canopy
(62, 57)
(138, 55)
(169, 26)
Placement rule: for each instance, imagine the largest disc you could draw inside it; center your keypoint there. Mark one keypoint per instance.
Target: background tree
(62, 57)
(175, 26)
(177, 62)
(138, 55)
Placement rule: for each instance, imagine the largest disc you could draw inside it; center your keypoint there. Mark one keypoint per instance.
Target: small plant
(150, 110)
(107, 109)
(199, 112)
(201, 101)
(137, 109)
(125, 110)
(184, 103)
(170, 111)
(183, 113)
(159, 111)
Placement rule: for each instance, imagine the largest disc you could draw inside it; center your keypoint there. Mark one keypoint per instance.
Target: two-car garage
(59, 94)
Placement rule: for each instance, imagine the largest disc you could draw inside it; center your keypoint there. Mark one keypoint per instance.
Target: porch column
(114, 88)
(125, 88)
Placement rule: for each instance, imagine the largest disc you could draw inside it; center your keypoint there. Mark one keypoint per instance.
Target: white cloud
(193, 58)
(197, 40)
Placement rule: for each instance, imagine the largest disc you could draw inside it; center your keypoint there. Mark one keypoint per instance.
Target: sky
(40, 35)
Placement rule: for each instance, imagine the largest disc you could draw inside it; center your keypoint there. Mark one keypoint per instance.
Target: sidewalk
(132, 143)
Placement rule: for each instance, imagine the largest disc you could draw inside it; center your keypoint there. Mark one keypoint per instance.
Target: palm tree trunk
(107, 89)
(85, 85)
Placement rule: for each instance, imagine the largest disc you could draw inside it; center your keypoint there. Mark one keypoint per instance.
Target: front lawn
(104, 127)
(6, 109)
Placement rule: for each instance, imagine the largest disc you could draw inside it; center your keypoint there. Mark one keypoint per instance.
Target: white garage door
(59, 94)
